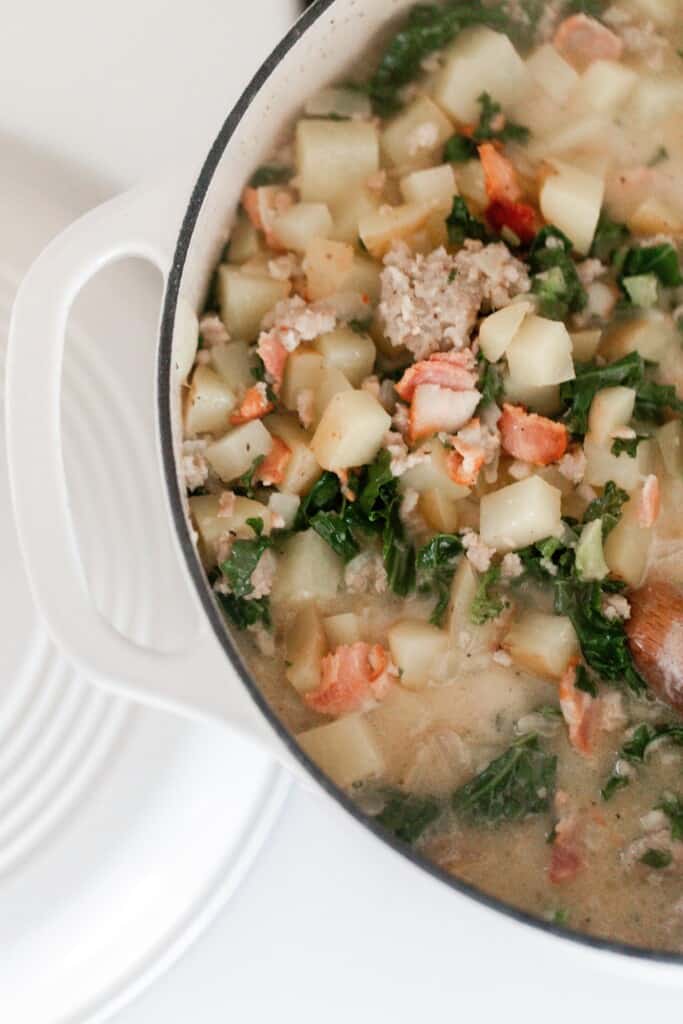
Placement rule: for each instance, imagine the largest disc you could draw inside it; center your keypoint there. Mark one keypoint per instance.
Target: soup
(434, 449)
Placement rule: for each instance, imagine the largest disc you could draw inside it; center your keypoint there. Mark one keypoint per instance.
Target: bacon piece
(263, 206)
(255, 404)
(581, 40)
(274, 356)
(648, 502)
(565, 862)
(566, 858)
(530, 437)
(521, 218)
(447, 369)
(353, 678)
(464, 462)
(580, 711)
(500, 176)
(272, 470)
(434, 408)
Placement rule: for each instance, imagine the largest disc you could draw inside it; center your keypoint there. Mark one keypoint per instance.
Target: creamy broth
(434, 451)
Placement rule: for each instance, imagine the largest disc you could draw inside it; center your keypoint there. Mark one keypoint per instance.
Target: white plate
(122, 831)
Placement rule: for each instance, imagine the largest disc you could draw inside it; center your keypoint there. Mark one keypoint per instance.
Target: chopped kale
(653, 400)
(607, 507)
(461, 224)
(458, 149)
(609, 238)
(593, 8)
(360, 326)
(585, 682)
(672, 805)
(244, 612)
(635, 751)
(436, 563)
(490, 381)
(486, 605)
(486, 130)
(324, 495)
(245, 484)
(337, 532)
(629, 445)
(660, 260)
(659, 156)
(578, 394)
(243, 559)
(518, 783)
(656, 858)
(407, 816)
(555, 279)
(270, 174)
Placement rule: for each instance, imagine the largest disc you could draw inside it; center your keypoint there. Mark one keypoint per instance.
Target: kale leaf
(652, 401)
(607, 507)
(243, 559)
(555, 279)
(585, 682)
(486, 605)
(461, 224)
(324, 495)
(578, 394)
(485, 130)
(436, 563)
(518, 783)
(270, 174)
(609, 238)
(407, 816)
(245, 483)
(660, 260)
(629, 445)
(337, 532)
(672, 805)
(656, 858)
(245, 612)
(635, 751)
(458, 149)
(490, 381)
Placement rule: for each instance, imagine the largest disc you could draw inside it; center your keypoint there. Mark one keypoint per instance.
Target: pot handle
(198, 682)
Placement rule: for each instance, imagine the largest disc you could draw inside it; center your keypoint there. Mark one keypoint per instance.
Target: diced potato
(338, 102)
(434, 185)
(332, 382)
(333, 157)
(234, 454)
(416, 647)
(350, 210)
(497, 330)
(346, 750)
(300, 224)
(585, 344)
(302, 470)
(520, 514)
(245, 299)
(656, 96)
(185, 339)
(303, 371)
(540, 353)
(463, 592)
(413, 137)
(209, 403)
(663, 12)
(654, 217)
(233, 361)
(285, 507)
(245, 242)
(327, 266)
(432, 474)
(348, 351)
(670, 441)
(571, 199)
(344, 628)
(542, 644)
(628, 546)
(305, 646)
(351, 431)
(590, 557)
(309, 570)
(605, 86)
(626, 471)
(611, 408)
(544, 400)
(480, 60)
(648, 333)
(554, 74)
(211, 526)
(581, 133)
(364, 278)
(438, 510)
(391, 223)
(469, 177)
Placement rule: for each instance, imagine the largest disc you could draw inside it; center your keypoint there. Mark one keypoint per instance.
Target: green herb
(629, 445)
(672, 805)
(324, 494)
(243, 559)
(436, 563)
(459, 149)
(461, 224)
(337, 532)
(593, 8)
(245, 483)
(244, 612)
(547, 560)
(656, 858)
(407, 816)
(555, 282)
(549, 711)
(360, 326)
(270, 174)
(660, 260)
(653, 400)
(578, 394)
(518, 783)
(485, 131)
(584, 682)
(490, 381)
(660, 154)
(607, 507)
(635, 750)
(561, 916)
(486, 605)
(609, 238)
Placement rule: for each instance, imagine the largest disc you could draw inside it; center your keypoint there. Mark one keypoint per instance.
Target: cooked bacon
(530, 437)
(565, 862)
(274, 356)
(500, 176)
(520, 218)
(566, 858)
(648, 502)
(353, 678)
(447, 369)
(255, 404)
(434, 408)
(465, 461)
(272, 470)
(580, 711)
(581, 40)
(263, 205)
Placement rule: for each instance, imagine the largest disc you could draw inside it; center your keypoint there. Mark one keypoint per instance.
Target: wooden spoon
(655, 636)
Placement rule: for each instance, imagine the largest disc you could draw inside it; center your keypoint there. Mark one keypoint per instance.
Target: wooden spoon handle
(655, 635)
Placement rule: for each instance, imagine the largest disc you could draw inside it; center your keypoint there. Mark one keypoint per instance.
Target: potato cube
(582, 133)
(305, 646)
(542, 644)
(235, 453)
(309, 570)
(350, 210)
(416, 647)
(302, 470)
(540, 353)
(480, 60)
(332, 382)
(245, 298)
(628, 546)
(208, 404)
(303, 371)
(346, 750)
(656, 97)
(344, 628)
(554, 74)
(339, 103)
(654, 217)
(211, 526)
(327, 266)
(432, 474)
(585, 344)
(438, 510)
(349, 351)
(334, 157)
(520, 514)
(234, 361)
(351, 431)
(471, 184)
(365, 279)
(571, 199)
(284, 507)
(392, 223)
(611, 408)
(544, 400)
(605, 86)
(300, 224)
(670, 441)
(466, 636)
(497, 330)
(185, 339)
(648, 333)
(245, 242)
(413, 137)
(626, 471)
(434, 185)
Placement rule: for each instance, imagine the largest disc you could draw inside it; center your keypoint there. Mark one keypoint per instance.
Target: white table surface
(328, 924)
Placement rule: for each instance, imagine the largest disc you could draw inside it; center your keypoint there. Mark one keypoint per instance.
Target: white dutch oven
(182, 231)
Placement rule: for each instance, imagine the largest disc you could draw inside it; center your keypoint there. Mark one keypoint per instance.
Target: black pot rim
(164, 406)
